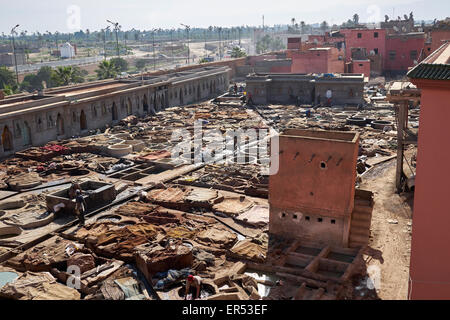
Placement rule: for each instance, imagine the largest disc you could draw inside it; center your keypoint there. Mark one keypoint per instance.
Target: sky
(73, 15)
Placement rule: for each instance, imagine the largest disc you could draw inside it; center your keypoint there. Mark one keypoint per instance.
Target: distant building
(306, 88)
(7, 59)
(67, 50)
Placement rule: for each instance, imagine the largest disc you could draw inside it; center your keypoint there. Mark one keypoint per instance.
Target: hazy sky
(68, 15)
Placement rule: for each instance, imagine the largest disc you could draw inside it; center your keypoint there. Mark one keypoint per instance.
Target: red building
(403, 51)
(430, 255)
(359, 66)
(372, 40)
(437, 38)
(294, 43)
(317, 60)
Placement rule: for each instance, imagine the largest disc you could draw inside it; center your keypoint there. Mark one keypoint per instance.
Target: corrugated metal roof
(430, 71)
(435, 66)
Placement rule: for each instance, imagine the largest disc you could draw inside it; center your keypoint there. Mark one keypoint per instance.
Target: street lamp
(13, 31)
(220, 42)
(104, 41)
(188, 28)
(153, 41)
(116, 29)
(171, 41)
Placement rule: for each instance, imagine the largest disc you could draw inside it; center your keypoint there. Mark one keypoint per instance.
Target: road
(60, 63)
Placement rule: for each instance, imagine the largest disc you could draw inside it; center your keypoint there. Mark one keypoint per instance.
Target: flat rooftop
(75, 91)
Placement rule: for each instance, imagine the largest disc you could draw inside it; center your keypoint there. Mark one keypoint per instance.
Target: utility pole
(188, 28)
(171, 42)
(49, 45)
(56, 40)
(220, 43)
(13, 31)
(116, 29)
(154, 57)
(239, 31)
(104, 41)
(205, 44)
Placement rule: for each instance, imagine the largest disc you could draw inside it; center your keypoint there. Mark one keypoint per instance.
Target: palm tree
(64, 76)
(302, 26)
(107, 70)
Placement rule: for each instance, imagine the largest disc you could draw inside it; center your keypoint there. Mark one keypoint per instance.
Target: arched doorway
(158, 105)
(145, 104)
(115, 115)
(59, 125)
(129, 107)
(163, 101)
(26, 134)
(7, 139)
(83, 121)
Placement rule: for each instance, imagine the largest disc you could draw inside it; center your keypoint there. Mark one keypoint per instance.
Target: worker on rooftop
(73, 189)
(193, 283)
(80, 206)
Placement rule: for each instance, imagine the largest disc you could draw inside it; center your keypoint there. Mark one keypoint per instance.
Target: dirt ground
(390, 231)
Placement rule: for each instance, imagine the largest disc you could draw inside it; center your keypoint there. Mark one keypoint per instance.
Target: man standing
(249, 100)
(195, 283)
(80, 207)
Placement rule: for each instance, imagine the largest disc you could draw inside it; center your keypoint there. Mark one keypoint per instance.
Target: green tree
(355, 18)
(107, 70)
(238, 53)
(45, 74)
(140, 64)
(9, 90)
(7, 78)
(31, 82)
(120, 63)
(64, 76)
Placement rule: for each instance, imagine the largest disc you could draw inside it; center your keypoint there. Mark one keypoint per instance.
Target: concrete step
(358, 223)
(359, 238)
(362, 202)
(360, 231)
(355, 244)
(362, 211)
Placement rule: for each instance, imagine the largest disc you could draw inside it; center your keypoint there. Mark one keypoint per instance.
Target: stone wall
(74, 111)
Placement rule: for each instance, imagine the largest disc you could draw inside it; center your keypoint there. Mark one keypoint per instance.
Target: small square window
(307, 218)
(333, 221)
(295, 216)
(359, 35)
(375, 34)
(283, 215)
(319, 220)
